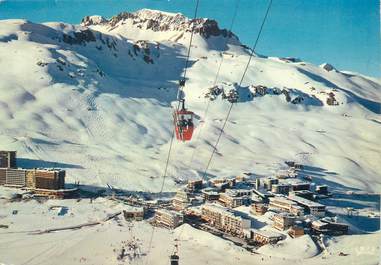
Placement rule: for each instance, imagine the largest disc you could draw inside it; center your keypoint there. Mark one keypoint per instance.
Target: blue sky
(345, 33)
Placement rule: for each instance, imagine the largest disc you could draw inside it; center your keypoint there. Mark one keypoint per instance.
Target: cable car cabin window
(185, 120)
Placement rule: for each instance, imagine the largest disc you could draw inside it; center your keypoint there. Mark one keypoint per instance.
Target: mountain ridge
(155, 20)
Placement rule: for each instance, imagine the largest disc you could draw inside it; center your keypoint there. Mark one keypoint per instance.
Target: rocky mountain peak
(157, 21)
(93, 20)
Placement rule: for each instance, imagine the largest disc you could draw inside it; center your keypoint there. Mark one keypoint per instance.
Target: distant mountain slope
(96, 99)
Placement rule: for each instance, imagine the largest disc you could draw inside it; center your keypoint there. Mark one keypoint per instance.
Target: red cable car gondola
(183, 123)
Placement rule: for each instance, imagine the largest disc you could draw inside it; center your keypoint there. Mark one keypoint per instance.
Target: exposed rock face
(259, 90)
(92, 20)
(328, 67)
(232, 96)
(297, 100)
(80, 37)
(144, 48)
(290, 60)
(286, 94)
(161, 21)
(331, 100)
(214, 92)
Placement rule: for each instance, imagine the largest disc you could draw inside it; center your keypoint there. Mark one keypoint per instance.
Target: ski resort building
(328, 227)
(231, 201)
(210, 195)
(238, 192)
(312, 207)
(36, 179)
(223, 184)
(181, 200)
(283, 221)
(3, 176)
(296, 231)
(225, 219)
(134, 213)
(45, 179)
(269, 182)
(287, 205)
(258, 208)
(262, 193)
(306, 194)
(168, 218)
(265, 237)
(283, 184)
(8, 159)
(194, 185)
(13, 177)
(240, 178)
(235, 198)
(322, 189)
(280, 188)
(301, 185)
(50, 179)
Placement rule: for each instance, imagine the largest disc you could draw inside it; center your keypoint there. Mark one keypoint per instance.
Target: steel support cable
(191, 39)
(180, 89)
(208, 104)
(240, 83)
(215, 82)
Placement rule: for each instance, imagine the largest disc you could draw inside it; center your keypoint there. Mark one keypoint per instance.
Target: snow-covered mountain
(95, 99)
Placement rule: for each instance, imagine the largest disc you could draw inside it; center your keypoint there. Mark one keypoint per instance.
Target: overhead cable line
(215, 82)
(240, 83)
(180, 90)
(208, 104)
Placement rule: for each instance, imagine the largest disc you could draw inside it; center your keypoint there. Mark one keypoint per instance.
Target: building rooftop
(166, 211)
(262, 192)
(216, 207)
(267, 233)
(195, 180)
(304, 201)
(222, 210)
(301, 192)
(281, 185)
(44, 169)
(235, 192)
(283, 199)
(133, 209)
(285, 214)
(217, 180)
(293, 181)
(319, 223)
(209, 191)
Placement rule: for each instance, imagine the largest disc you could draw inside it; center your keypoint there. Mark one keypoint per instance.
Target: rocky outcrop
(79, 37)
(328, 67)
(331, 100)
(237, 94)
(93, 20)
(214, 92)
(297, 100)
(259, 90)
(233, 96)
(290, 59)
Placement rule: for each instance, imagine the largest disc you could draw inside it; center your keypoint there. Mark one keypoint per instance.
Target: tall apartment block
(8, 159)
